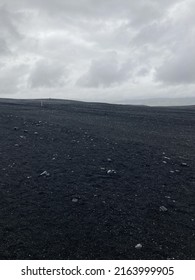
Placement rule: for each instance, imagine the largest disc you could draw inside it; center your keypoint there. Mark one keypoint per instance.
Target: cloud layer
(97, 50)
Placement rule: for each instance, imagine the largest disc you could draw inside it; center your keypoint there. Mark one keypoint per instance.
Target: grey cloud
(138, 12)
(104, 72)
(170, 30)
(4, 50)
(9, 33)
(12, 78)
(100, 46)
(116, 34)
(8, 21)
(142, 72)
(180, 68)
(46, 74)
(154, 33)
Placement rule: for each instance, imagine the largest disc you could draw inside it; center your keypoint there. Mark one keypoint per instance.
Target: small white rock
(75, 199)
(111, 171)
(163, 208)
(138, 246)
(44, 173)
(167, 158)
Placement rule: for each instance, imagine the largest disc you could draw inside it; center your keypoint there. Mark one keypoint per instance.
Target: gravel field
(96, 181)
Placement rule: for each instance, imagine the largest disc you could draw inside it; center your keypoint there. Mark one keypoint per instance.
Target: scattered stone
(171, 171)
(75, 199)
(16, 145)
(111, 171)
(25, 131)
(109, 159)
(11, 165)
(22, 137)
(16, 128)
(163, 209)
(44, 173)
(138, 246)
(167, 158)
(36, 133)
(164, 161)
(184, 164)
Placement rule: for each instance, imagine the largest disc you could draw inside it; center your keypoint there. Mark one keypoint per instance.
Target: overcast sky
(97, 50)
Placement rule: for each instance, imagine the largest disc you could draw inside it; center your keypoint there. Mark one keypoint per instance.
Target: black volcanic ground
(113, 177)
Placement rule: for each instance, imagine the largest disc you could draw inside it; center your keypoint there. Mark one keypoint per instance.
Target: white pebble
(163, 208)
(138, 246)
(75, 199)
(44, 173)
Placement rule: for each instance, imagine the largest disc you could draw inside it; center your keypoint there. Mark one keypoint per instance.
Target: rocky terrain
(96, 181)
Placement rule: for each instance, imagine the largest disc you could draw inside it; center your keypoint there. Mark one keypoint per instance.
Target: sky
(106, 50)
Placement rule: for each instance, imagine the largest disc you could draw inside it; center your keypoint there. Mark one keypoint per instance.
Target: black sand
(109, 170)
